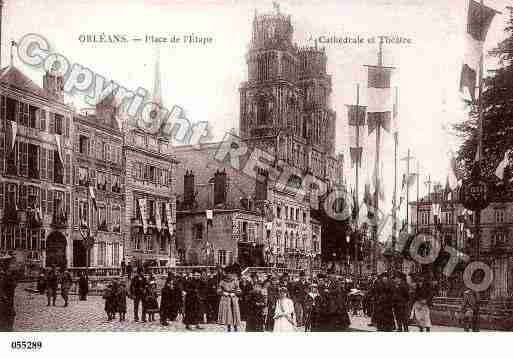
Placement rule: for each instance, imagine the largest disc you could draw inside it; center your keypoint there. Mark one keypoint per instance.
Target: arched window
(261, 110)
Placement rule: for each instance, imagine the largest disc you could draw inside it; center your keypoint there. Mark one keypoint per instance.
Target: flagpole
(417, 206)
(358, 159)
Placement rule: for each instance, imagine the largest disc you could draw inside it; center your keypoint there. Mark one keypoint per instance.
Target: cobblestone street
(32, 314)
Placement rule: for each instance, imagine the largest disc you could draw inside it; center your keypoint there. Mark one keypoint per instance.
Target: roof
(11, 75)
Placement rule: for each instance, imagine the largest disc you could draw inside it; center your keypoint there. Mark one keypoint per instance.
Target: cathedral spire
(157, 88)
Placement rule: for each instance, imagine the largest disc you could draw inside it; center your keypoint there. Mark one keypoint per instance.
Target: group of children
(115, 295)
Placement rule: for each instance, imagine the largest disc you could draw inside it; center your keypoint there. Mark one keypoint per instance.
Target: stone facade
(149, 182)
(35, 171)
(98, 144)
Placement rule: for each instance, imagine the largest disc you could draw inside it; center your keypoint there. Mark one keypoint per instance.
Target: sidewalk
(360, 324)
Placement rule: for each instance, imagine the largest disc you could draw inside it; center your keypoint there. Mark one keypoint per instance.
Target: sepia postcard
(204, 166)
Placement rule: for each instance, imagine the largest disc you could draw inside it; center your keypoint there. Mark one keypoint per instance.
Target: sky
(204, 79)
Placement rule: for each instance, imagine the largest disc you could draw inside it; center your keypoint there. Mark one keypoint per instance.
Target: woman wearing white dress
(284, 315)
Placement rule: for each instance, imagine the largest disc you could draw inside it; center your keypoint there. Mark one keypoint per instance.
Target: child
(151, 303)
(121, 302)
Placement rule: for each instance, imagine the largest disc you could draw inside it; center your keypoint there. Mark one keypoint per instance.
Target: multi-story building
(150, 199)
(36, 131)
(285, 110)
(98, 168)
(496, 241)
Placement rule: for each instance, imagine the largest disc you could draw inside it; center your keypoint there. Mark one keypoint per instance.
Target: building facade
(98, 171)
(36, 152)
(454, 226)
(150, 199)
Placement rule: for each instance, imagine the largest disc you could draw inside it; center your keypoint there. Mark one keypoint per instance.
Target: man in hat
(138, 286)
(383, 304)
(297, 292)
(401, 295)
(193, 315)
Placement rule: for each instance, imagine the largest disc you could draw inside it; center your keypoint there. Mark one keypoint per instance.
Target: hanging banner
(375, 119)
(59, 147)
(11, 135)
(356, 156)
(169, 218)
(143, 210)
(356, 115)
(158, 218)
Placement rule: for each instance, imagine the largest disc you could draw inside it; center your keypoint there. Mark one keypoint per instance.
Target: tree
(497, 101)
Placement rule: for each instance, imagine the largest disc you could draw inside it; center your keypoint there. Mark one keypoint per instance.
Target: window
(198, 231)
(163, 243)
(149, 243)
(297, 214)
(83, 176)
(115, 254)
(499, 216)
(33, 161)
(102, 254)
(245, 231)
(151, 211)
(102, 217)
(59, 124)
(424, 218)
(137, 243)
(221, 257)
(83, 145)
(304, 217)
(286, 212)
(32, 116)
(58, 168)
(278, 212)
(11, 109)
(42, 120)
(501, 238)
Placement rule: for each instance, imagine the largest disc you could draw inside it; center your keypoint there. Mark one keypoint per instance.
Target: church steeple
(157, 89)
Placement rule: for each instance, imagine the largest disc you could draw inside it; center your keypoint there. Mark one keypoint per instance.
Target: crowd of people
(263, 301)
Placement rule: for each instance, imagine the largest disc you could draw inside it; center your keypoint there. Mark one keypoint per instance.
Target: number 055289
(26, 345)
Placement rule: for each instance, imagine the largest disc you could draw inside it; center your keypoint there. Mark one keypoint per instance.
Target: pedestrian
(192, 302)
(212, 298)
(309, 305)
(151, 304)
(129, 270)
(171, 301)
(384, 304)
(468, 309)
(284, 316)
(8, 285)
(109, 295)
(229, 310)
(297, 292)
(41, 283)
(256, 305)
(52, 283)
(272, 298)
(421, 312)
(337, 307)
(66, 283)
(83, 286)
(401, 293)
(121, 301)
(137, 291)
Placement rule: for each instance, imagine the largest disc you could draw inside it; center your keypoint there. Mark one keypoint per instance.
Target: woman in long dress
(229, 310)
(284, 315)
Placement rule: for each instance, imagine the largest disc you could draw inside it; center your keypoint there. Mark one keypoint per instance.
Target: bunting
(501, 168)
(158, 218)
(356, 115)
(11, 133)
(59, 147)
(143, 211)
(169, 218)
(479, 19)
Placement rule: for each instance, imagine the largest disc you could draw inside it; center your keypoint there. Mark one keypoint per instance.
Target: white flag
(143, 210)
(158, 218)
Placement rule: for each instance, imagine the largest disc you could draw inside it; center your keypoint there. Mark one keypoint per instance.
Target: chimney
(188, 188)
(54, 84)
(219, 187)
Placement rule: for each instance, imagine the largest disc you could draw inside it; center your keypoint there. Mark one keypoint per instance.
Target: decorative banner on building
(356, 115)
(379, 77)
(143, 210)
(59, 147)
(169, 218)
(479, 19)
(93, 197)
(12, 131)
(158, 217)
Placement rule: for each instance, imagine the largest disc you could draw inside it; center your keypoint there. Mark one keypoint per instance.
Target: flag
(59, 148)
(375, 119)
(12, 131)
(158, 218)
(93, 197)
(356, 115)
(479, 19)
(499, 172)
(143, 209)
(356, 156)
(169, 218)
